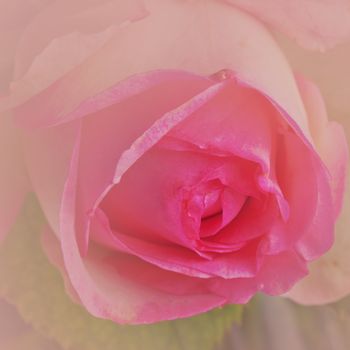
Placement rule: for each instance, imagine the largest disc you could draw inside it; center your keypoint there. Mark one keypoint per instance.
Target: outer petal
(303, 179)
(13, 179)
(313, 24)
(280, 272)
(234, 40)
(48, 159)
(79, 28)
(329, 139)
(51, 246)
(329, 276)
(14, 17)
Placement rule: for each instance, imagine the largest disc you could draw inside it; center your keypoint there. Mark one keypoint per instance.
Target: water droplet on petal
(223, 74)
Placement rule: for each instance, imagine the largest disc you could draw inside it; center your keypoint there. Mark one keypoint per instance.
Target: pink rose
(179, 170)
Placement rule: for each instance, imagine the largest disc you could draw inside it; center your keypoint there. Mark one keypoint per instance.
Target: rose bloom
(179, 161)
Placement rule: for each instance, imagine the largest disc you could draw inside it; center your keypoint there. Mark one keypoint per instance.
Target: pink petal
(155, 285)
(235, 122)
(329, 275)
(329, 139)
(14, 18)
(42, 111)
(176, 258)
(79, 28)
(236, 39)
(277, 275)
(305, 185)
(48, 161)
(51, 246)
(280, 272)
(314, 24)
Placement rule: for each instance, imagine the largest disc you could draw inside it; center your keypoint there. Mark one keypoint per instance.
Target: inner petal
(212, 204)
(180, 197)
(225, 209)
(148, 200)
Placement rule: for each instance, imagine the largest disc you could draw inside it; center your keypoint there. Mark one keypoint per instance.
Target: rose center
(210, 207)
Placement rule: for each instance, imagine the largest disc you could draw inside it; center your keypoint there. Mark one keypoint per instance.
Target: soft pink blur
(15, 334)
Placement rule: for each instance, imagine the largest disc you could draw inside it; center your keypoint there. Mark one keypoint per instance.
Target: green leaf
(30, 282)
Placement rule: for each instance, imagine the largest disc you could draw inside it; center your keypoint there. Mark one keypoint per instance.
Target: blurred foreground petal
(15, 334)
(13, 178)
(277, 323)
(314, 24)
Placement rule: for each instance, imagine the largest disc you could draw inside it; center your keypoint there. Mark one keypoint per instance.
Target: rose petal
(176, 258)
(80, 28)
(328, 278)
(280, 272)
(155, 287)
(303, 179)
(329, 139)
(236, 39)
(14, 17)
(315, 24)
(51, 246)
(48, 160)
